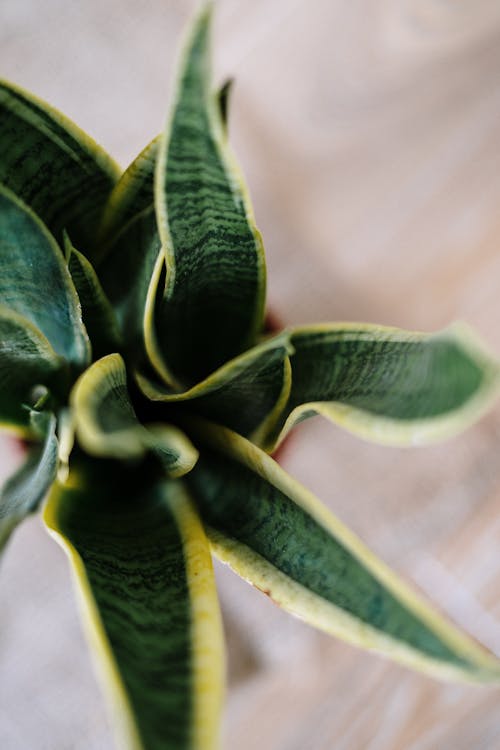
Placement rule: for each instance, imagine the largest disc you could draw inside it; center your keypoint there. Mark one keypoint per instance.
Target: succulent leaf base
(135, 363)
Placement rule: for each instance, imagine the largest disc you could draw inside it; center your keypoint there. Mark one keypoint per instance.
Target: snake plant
(135, 364)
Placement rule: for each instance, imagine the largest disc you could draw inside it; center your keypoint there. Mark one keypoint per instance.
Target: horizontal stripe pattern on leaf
(212, 306)
(389, 385)
(107, 425)
(131, 243)
(134, 191)
(145, 579)
(53, 166)
(36, 283)
(276, 535)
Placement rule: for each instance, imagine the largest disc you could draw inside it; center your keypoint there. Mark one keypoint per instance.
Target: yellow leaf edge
(294, 597)
(123, 193)
(103, 659)
(46, 350)
(207, 633)
(106, 162)
(400, 433)
(237, 182)
(131, 442)
(69, 288)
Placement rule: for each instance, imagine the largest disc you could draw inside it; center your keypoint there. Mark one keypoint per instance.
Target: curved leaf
(278, 536)
(35, 281)
(134, 191)
(26, 360)
(211, 306)
(145, 580)
(130, 242)
(126, 276)
(389, 385)
(53, 166)
(247, 394)
(24, 491)
(132, 194)
(107, 425)
(98, 316)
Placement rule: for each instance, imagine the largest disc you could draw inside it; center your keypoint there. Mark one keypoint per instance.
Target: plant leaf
(126, 276)
(26, 360)
(134, 191)
(107, 425)
(277, 536)
(53, 166)
(132, 194)
(389, 385)
(130, 241)
(36, 283)
(98, 316)
(247, 394)
(24, 491)
(145, 580)
(211, 305)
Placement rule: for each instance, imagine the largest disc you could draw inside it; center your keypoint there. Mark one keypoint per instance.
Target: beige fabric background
(370, 135)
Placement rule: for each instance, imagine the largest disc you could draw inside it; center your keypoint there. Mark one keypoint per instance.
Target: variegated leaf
(144, 576)
(130, 242)
(389, 385)
(98, 315)
(26, 361)
(278, 536)
(247, 394)
(36, 283)
(107, 425)
(53, 166)
(211, 301)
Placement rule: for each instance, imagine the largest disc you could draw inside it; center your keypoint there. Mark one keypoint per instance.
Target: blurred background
(369, 133)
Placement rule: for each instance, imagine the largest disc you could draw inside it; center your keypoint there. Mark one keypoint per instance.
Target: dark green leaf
(53, 166)
(134, 191)
(145, 576)
(389, 385)
(26, 360)
(131, 243)
(130, 249)
(211, 305)
(35, 281)
(24, 491)
(279, 537)
(126, 275)
(247, 394)
(107, 425)
(98, 316)
(132, 194)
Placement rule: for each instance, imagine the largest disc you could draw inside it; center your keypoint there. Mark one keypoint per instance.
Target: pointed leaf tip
(210, 305)
(389, 385)
(278, 536)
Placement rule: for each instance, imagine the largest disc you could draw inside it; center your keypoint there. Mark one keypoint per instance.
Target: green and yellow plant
(134, 361)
